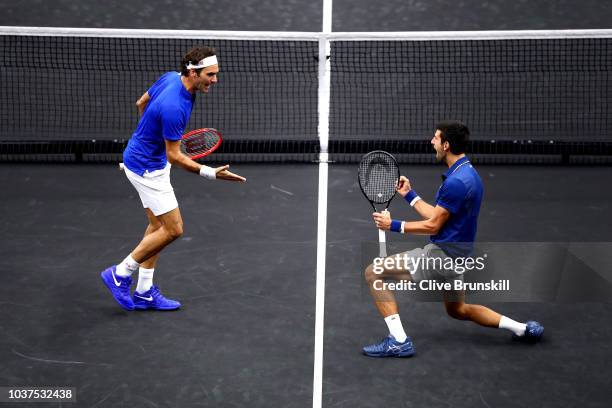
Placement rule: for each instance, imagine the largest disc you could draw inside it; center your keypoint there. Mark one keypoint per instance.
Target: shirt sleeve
(452, 195)
(173, 123)
(152, 91)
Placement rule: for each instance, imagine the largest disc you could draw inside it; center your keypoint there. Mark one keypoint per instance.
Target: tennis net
(528, 97)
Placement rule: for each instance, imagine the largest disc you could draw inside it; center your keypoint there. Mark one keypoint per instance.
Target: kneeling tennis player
(451, 224)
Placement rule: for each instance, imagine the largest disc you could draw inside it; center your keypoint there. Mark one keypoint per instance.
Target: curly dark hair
(194, 56)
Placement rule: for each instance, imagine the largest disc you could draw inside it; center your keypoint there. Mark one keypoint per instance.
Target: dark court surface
(451, 15)
(459, 364)
(245, 268)
(244, 271)
(301, 15)
(237, 15)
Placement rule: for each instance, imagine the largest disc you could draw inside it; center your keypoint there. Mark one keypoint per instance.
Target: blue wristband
(411, 196)
(396, 226)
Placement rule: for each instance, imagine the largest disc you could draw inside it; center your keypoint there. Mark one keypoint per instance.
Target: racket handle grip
(382, 244)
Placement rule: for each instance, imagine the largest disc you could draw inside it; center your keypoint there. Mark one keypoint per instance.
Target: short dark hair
(194, 56)
(456, 134)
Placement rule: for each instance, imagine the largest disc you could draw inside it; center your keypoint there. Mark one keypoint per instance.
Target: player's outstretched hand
(403, 186)
(224, 174)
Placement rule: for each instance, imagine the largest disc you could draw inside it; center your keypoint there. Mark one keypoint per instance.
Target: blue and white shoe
(533, 332)
(118, 286)
(153, 299)
(389, 347)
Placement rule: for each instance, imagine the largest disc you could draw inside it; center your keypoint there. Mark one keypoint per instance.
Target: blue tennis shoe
(533, 332)
(389, 347)
(153, 299)
(118, 286)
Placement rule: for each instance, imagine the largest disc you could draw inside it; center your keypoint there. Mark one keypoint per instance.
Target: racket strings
(199, 143)
(378, 175)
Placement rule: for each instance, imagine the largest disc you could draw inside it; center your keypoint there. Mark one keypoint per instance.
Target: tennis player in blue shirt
(451, 223)
(152, 149)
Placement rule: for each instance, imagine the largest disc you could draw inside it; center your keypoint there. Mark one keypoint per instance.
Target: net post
(324, 93)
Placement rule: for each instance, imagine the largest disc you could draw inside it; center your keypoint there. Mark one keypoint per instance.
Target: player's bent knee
(369, 274)
(174, 231)
(177, 231)
(459, 312)
(154, 227)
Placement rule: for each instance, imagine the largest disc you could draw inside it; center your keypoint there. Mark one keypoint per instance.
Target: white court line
(324, 96)
(317, 387)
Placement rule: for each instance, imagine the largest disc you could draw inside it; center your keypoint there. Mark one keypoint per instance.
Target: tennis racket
(378, 177)
(197, 143)
(200, 142)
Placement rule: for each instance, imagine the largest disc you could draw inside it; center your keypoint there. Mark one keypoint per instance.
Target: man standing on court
(451, 223)
(154, 146)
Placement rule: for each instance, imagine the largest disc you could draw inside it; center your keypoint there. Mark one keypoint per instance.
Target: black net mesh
(86, 87)
(505, 90)
(65, 90)
(525, 100)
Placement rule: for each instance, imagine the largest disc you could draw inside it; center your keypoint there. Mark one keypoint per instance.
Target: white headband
(206, 62)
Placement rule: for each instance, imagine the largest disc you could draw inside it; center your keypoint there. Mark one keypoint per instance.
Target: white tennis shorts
(154, 189)
(428, 270)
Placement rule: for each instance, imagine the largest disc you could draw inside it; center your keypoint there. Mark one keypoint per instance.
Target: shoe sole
(144, 307)
(110, 287)
(401, 355)
(529, 339)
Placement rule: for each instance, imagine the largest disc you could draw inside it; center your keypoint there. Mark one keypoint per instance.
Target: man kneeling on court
(451, 224)
(154, 146)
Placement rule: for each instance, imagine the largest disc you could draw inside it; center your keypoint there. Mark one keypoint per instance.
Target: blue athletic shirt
(164, 118)
(460, 194)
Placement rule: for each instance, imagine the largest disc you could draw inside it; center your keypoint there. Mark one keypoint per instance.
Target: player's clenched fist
(403, 186)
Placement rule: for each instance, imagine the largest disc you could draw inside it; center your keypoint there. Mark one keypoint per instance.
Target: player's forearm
(425, 227)
(142, 102)
(184, 162)
(141, 107)
(424, 209)
(420, 206)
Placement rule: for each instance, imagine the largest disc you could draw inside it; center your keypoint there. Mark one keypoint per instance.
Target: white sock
(127, 267)
(145, 280)
(509, 324)
(395, 327)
